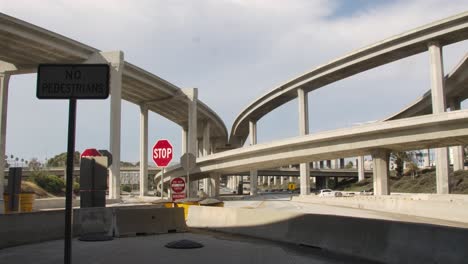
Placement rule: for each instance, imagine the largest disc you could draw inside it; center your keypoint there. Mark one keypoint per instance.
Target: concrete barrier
(373, 239)
(24, 228)
(452, 208)
(131, 221)
(59, 202)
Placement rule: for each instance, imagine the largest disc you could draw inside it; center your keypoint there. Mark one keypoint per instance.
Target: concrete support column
(360, 167)
(253, 173)
(381, 158)
(184, 140)
(457, 151)
(240, 184)
(116, 60)
(253, 182)
(192, 144)
(206, 151)
(214, 190)
(275, 180)
(304, 130)
(427, 158)
(439, 106)
(4, 82)
(269, 181)
(281, 180)
(143, 150)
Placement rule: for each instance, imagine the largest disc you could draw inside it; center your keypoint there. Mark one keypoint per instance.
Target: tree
(60, 160)
(399, 158)
(126, 164)
(350, 165)
(413, 169)
(34, 164)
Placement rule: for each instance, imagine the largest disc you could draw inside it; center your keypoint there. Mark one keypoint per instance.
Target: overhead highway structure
(444, 32)
(376, 139)
(431, 38)
(24, 46)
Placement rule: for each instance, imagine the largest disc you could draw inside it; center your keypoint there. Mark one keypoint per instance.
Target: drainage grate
(184, 244)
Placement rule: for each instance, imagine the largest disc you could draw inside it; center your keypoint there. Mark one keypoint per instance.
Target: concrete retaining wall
(24, 228)
(378, 240)
(452, 208)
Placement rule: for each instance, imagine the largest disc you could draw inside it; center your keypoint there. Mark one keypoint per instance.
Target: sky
(233, 51)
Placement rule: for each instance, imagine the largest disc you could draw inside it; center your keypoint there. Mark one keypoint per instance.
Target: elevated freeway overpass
(24, 46)
(437, 130)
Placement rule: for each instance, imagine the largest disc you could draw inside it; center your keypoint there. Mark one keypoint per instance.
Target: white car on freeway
(329, 193)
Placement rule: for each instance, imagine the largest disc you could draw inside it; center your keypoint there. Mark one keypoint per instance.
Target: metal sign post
(72, 81)
(162, 183)
(69, 181)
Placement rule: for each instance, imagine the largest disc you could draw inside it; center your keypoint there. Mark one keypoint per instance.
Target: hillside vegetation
(425, 182)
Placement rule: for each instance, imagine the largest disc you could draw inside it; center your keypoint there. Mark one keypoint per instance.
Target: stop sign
(178, 185)
(162, 153)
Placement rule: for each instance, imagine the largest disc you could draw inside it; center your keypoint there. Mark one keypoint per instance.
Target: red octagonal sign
(178, 185)
(162, 153)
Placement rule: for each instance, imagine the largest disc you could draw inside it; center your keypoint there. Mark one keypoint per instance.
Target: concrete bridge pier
(5, 69)
(381, 158)
(192, 144)
(143, 149)
(360, 167)
(304, 168)
(457, 151)
(116, 60)
(439, 106)
(214, 184)
(253, 173)
(240, 184)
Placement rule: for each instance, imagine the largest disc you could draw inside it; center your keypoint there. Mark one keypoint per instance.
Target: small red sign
(178, 185)
(162, 153)
(178, 188)
(91, 152)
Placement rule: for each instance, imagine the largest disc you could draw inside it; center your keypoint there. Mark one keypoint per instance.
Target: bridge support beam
(207, 187)
(381, 158)
(4, 82)
(116, 59)
(360, 167)
(304, 130)
(143, 150)
(214, 190)
(457, 151)
(192, 144)
(253, 173)
(439, 106)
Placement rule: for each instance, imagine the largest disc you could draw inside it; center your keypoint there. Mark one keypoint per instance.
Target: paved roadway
(282, 201)
(218, 248)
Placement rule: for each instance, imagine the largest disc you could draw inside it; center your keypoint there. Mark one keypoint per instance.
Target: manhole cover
(184, 244)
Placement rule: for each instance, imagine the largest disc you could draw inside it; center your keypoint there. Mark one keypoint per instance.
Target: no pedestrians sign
(72, 81)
